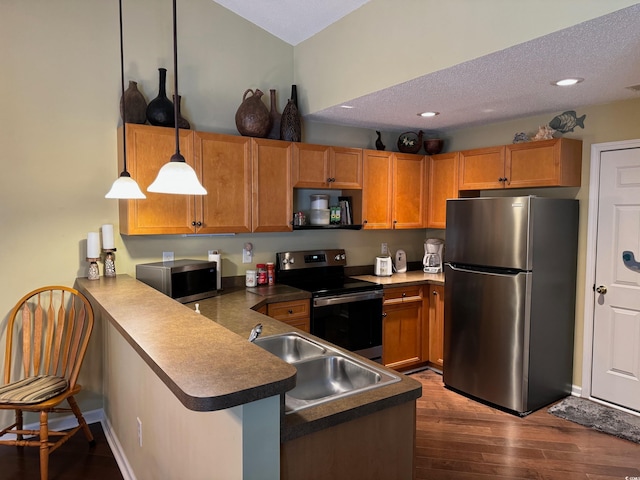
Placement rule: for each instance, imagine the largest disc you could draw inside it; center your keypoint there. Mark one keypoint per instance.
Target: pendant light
(176, 176)
(124, 186)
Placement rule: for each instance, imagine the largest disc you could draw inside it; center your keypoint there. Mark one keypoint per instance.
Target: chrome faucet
(255, 332)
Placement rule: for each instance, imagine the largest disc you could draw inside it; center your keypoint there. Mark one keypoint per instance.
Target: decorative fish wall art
(567, 121)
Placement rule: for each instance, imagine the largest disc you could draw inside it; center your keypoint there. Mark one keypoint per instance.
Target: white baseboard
(116, 448)
(92, 416)
(576, 391)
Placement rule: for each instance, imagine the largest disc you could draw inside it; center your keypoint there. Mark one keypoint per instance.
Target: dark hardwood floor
(74, 460)
(457, 439)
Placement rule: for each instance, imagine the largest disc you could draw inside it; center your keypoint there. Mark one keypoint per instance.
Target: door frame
(590, 269)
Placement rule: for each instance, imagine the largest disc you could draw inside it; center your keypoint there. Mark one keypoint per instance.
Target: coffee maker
(432, 261)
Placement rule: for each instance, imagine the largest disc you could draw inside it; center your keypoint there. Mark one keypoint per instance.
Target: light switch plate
(167, 256)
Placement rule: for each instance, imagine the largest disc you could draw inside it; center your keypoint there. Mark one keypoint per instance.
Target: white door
(616, 322)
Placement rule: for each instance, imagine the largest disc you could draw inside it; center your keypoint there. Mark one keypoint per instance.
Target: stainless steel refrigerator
(510, 279)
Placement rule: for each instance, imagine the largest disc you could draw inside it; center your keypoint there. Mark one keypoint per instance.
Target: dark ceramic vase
(252, 116)
(275, 117)
(160, 109)
(182, 122)
(290, 124)
(134, 103)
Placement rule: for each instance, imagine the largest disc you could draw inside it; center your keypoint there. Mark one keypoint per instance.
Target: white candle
(107, 237)
(93, 245)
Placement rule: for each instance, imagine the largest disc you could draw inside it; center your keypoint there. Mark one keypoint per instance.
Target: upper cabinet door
(482, 168)
(377, 189)
(226, 171)
(442, 184)
(310, 168)
(345, 167)
(272, 189)
(409, 177)
(148, 149)
(547, 163)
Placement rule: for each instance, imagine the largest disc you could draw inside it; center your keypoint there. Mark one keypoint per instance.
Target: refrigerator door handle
(505, 272)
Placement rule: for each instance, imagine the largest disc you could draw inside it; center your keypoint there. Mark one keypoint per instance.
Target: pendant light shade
(124, 187)
(176, 177)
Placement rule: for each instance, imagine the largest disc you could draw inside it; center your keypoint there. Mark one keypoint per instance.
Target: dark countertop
(183, 348)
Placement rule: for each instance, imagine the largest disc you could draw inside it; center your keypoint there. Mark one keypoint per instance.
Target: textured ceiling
(512, 83)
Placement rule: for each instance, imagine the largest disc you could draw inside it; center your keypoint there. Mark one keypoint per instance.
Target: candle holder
(94, 272)
(109, 262)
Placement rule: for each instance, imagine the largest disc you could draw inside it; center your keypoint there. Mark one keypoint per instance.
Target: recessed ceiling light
(428, 114)
(565, 82)
(346, 106)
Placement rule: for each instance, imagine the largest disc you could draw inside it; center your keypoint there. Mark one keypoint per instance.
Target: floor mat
(599, 417)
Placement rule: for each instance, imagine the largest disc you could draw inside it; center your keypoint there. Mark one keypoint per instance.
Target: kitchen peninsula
(210, 403)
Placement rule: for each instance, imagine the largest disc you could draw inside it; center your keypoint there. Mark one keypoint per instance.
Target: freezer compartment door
(486, 344)
(489, 231)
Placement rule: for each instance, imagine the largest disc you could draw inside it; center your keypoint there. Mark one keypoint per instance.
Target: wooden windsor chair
(47, 336)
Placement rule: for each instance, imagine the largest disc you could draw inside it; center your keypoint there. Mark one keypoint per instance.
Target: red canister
(271, 274)
(262, 274)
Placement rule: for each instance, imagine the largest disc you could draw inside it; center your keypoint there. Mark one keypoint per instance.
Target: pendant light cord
(124, 108)
(177, 157)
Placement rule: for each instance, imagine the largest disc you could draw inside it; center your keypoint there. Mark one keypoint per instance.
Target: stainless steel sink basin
(290, 347)
(324, 372)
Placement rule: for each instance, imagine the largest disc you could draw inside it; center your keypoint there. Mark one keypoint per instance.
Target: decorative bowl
(433, 146)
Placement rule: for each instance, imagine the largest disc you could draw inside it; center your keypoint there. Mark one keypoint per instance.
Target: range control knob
(337, 257)
(343, 256)
(292, 260)
(285, 260)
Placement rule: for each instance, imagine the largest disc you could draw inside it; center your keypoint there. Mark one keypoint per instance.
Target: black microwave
(183, 280)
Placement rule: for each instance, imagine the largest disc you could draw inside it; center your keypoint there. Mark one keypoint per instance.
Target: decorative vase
(275, 117)
(290, 125)
(135, 105)
(252, 116)
(433, 146)
(160, 109)
(294, 95)
(182, 122)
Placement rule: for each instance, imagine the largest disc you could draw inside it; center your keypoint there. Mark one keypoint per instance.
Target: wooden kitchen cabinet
(148, 149)
(272, 193)
(546, 163)
(436, 324)
(403, 330)
(393, 190)
(295, 313)
(226, 172)
(442, 184)
(321, 166)
(481, 168)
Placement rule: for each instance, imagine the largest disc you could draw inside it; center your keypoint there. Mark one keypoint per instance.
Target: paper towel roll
(216, 257)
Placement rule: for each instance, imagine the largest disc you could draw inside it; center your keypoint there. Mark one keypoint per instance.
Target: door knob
(601, 289)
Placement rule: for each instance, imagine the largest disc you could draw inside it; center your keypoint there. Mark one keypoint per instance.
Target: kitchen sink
(324, 373)
(290, 347)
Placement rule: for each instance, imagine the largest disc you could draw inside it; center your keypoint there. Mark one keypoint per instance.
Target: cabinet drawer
(403, 294)
(288, 310)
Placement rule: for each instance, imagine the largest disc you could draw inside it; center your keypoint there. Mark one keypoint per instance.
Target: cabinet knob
(290, 312)
(384, 314)
(404, 294)
(434, 292)
(193, 224)
(198, 224)
(364, 222)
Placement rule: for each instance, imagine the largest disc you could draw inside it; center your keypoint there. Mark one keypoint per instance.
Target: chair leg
(85, 428)
(19, 424)
(44, 445)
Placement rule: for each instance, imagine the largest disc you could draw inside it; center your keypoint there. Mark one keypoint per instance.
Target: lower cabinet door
(402, 335)
(436, 324)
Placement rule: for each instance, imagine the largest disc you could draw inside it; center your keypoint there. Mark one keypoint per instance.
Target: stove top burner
(320, 272)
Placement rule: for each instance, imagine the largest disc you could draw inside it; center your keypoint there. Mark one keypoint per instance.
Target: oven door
(352, 321)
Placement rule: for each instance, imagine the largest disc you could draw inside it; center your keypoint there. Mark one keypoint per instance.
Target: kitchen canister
(319, 202)
(250, 278)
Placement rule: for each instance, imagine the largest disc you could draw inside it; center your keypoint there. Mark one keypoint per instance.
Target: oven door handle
(347, 298)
